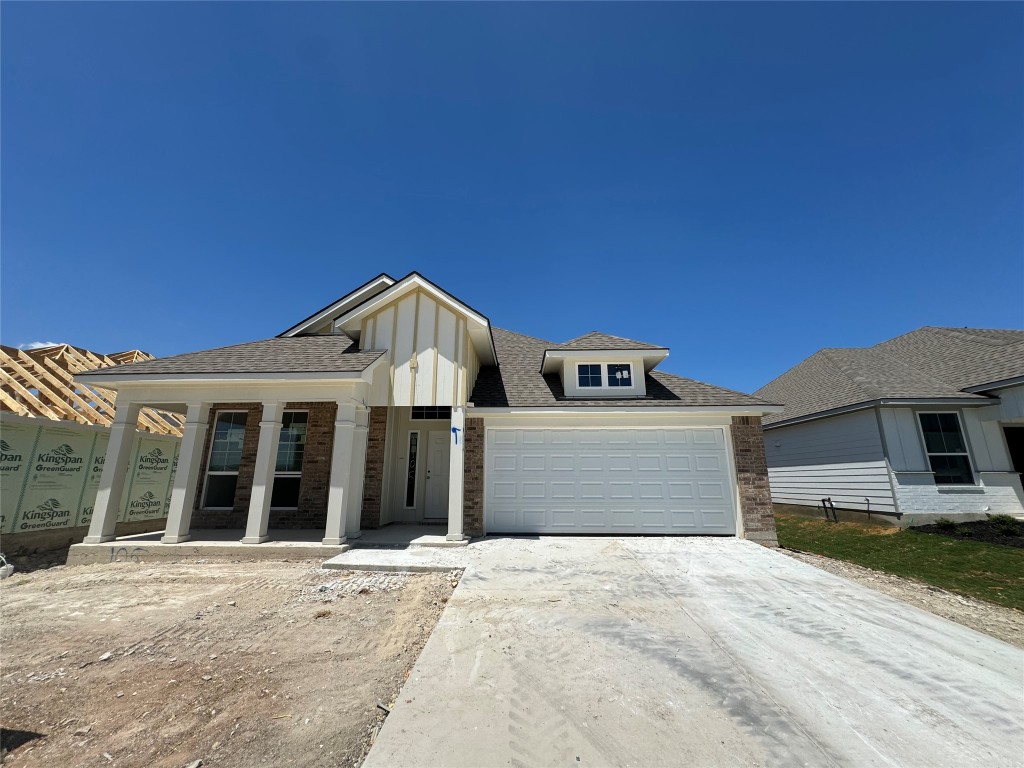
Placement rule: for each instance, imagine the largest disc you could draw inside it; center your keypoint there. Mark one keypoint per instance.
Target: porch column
(355, 506)
(188, 476)
(115, 469)
(263, 475)
(455, 475)
(339, 496)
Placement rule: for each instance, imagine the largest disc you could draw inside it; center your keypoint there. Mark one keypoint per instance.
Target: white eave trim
(650, 410)
(1000, 384)
(326, 312)
(968, 402)
(654, 356)
(110, 382)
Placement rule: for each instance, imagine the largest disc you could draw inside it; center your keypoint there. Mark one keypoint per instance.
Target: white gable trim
(481, 326)
(346, 302)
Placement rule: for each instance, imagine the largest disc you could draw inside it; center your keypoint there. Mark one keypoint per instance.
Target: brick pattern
(752, 477)
(313, 485)
(316, 470)
(373, 483)
(473, 475)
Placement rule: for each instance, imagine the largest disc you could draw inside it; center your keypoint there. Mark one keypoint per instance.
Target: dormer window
(589, 375)
(601, 375)
(620, 375)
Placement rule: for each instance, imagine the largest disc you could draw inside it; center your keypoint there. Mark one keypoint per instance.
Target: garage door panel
(623, 480)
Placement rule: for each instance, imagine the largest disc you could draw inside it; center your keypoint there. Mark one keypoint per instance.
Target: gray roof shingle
(595, 340)
(929, 363)
(517, 382)
(291, 354)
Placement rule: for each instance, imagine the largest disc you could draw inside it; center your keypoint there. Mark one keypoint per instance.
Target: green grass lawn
(988, 571)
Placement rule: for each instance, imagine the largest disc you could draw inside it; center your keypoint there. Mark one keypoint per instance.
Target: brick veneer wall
(316, 470)
(373, 482)
(473, 476)
(313, 485)
(752, 478)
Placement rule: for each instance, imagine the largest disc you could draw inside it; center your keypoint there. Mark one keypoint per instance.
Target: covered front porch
(290, 468)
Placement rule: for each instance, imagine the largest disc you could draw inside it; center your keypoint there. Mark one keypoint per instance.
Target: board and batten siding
(996, 489)
(841, 458)
(431, 357)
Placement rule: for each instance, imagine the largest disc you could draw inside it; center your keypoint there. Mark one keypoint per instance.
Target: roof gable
(927, 364)
(595, 340)
(478, 326)
(333, 310)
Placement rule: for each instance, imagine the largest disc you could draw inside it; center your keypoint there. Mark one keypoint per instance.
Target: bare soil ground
(236, 664)
(1006, 624)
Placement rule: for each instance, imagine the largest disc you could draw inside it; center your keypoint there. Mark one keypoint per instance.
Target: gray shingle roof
(517, 382)
(595, 340)
(294, 354)
(929, 363)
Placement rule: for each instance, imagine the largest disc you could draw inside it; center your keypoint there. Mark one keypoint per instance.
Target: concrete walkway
(691, 652)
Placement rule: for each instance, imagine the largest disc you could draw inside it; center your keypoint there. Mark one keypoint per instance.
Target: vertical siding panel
(405, 323)
(433, 381)
(384, 338)
(445, 357)
(425, 335)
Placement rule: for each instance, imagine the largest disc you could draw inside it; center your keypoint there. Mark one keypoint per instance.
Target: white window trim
(209, 458)
(966, 452)
(604, 376)
(291, 474)
(416, 470)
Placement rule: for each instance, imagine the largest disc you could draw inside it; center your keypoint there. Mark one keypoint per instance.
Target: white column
(189, 474)
(263, 476)
(340, 493)
(115, 468)
(355, 508)
(456, 479)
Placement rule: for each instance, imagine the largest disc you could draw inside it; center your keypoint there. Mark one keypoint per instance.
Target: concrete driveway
(694, 652)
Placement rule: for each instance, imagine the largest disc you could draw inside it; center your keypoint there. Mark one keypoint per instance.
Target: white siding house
(925, 425)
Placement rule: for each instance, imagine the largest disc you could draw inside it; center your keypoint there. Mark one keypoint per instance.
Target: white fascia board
(650, 357)
(733, 410)
(482, 326)
(355, 296)
(1000, 384)
(400, 289)
(106, 382)
(110, 382)
(888, 402)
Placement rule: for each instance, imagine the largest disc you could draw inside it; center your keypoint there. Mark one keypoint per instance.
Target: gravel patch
(1005, 624)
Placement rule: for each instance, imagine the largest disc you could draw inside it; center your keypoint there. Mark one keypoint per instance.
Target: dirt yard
(238, 664)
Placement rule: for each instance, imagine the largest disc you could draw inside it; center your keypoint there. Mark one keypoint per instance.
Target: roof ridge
(841, 369)
(522, 335)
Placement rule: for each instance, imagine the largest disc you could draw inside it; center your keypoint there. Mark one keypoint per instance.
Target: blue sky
(742, 183)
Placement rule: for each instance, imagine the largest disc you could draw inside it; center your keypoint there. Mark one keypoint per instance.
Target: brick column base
(473, 475)
(752, 478)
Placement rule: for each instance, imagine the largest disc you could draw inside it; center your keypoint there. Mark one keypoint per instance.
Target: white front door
(438, 450)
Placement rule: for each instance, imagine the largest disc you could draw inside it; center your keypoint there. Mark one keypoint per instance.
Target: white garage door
(608, 480)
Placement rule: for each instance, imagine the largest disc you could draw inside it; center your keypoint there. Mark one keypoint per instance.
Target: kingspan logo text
(48, 510)
(7, 453)
(62, 455)
(146, 502)
(153, 460)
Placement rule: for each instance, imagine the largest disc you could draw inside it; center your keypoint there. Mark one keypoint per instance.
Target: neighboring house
(399, 403)
(928, 423)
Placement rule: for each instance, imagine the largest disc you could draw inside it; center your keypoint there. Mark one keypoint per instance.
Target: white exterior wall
(841, 458)
(997, 488)
(430, 355)
(570, 382)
